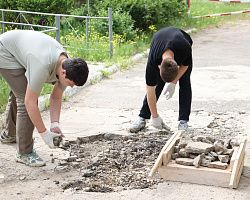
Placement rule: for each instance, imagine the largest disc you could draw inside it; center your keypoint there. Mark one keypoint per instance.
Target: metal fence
(57, 26)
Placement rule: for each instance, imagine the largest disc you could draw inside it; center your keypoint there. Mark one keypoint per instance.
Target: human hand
(55, 127)
(51, 139)
(169, 91)
(157, 122)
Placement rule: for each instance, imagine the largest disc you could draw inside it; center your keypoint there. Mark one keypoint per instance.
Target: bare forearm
(55, 110)
(55, 104)
(151, 98)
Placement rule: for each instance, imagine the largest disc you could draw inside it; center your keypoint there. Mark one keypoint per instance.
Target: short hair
(76, 70)
(168, 70)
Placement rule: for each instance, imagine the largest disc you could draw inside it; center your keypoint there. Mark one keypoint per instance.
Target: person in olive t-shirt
(28, 59)
(170, 60)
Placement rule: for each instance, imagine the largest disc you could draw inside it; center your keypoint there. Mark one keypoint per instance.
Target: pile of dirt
(110, 162)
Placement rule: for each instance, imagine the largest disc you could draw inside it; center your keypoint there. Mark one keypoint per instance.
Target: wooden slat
(237, 168)
(191, 174)
(236, 149)
(237, 180)
(167, 154)
(158, 161)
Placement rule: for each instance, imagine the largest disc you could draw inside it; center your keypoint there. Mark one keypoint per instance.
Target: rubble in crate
(204, 151)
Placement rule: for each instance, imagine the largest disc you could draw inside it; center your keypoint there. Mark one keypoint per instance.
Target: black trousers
(185, 96)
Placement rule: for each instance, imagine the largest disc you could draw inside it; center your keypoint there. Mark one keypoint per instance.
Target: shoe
(138, 125)
(4, 138)
(31, 159)
(183, 125)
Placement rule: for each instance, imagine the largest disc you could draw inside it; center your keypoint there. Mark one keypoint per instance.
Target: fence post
(58, 28)
(2, 21)
(87, 31)
(110, 32)
(188, 5)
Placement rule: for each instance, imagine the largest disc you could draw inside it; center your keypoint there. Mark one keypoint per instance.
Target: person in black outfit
(170, 60)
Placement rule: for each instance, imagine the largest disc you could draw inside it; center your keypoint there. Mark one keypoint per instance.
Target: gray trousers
(18, 122)
(10, 112)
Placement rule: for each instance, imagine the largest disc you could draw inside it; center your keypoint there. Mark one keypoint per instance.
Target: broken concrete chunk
(211, 139)
(57, 140)
(197, 160)
(223, 158)
(199, 138)
(205, 162)
(174, 156)
(228, 152)
(199, 147)
(212, 153)
(182, 144)
(184, 161)
(183, 153)
(191, 155)
(234, 143)
(176, 149)
(210, 158)
(219, 146)
(217, 165)
(72, 158)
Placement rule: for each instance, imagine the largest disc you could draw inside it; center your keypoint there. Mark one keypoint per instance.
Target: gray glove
(157, 122)
(169, 91)
(48, 138)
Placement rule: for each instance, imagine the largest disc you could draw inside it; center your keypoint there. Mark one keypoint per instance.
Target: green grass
(204, 7)
(4, 92)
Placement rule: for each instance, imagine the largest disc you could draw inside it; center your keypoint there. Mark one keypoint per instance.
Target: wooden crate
(169, 170)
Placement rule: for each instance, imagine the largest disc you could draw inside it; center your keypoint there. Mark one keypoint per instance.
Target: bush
(145, 13)
(122, 24)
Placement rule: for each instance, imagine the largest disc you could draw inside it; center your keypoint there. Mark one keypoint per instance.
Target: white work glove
(169, 91)
(48, 138)
(157, 122)
(55, 127)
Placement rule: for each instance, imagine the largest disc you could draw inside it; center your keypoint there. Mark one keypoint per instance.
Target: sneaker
(31, 159)
(183, 125)
(5, 138)
(138, 125)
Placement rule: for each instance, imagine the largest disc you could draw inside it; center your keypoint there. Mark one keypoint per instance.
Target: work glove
(169, 91)
(55, 127)
(51, 138)
(157, 122)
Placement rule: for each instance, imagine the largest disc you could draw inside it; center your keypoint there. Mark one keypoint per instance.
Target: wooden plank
(158, 161)
(167, 154)
(234, 180)
(236, 149)
(239, 173)
(191, 174)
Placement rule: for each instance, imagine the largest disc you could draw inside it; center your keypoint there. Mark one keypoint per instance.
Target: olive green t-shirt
(35, 51)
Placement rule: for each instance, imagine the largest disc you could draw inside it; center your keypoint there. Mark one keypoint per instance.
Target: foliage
(4, 93)
(44, 6)
(146, 12)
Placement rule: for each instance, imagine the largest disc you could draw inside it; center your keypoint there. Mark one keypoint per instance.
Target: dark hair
(168, 70)
(76, 70)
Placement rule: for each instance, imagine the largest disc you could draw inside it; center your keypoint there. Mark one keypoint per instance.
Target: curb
(222, 14)
(232, 1)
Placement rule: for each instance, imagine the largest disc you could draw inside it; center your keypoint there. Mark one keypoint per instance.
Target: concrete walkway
(220, 81)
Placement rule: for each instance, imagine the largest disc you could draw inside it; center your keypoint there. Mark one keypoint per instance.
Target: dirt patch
(110, 162)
